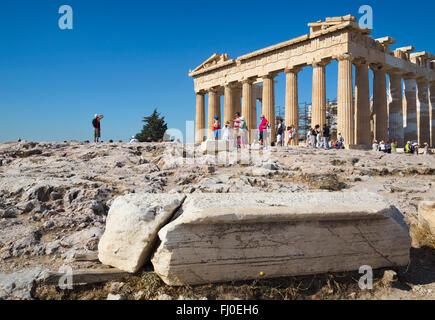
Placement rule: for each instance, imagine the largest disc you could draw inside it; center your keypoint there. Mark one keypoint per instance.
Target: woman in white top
(309, 138)
(226, 132)
(243, 133)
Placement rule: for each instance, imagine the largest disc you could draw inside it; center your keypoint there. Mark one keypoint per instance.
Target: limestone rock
(211, 146)
(115, 297)
(20, 285)
(426, 215)
(131, 228)
(230, 237)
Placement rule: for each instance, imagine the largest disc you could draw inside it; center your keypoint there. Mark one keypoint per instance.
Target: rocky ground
(54, 198)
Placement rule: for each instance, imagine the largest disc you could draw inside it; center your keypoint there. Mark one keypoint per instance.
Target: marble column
(214, 109)
(291, 102)
(395, 109)
(432, 114)
(237, 100)
(200, 117)
(410, 130)
(362, 104)
(249, 108)
(423, 128)
(380, 104)
(345, 106)
(268, 104)
(229, 103)
(318, 108)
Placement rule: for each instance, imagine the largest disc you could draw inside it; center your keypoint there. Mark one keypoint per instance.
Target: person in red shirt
(262, 128)
(97, 127)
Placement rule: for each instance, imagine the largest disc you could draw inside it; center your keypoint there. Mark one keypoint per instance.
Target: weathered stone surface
(226, 237)
(211, 146)
(20, 285)
(131, 228)
(426, 215)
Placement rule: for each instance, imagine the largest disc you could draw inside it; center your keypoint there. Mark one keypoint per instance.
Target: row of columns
(354, 114)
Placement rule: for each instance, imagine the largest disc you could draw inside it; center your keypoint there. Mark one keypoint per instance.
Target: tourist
(415, 148)
(149, 139)
(243, 133)
(262, 129)
(97, 127)
(375, 146)
(291, 135)
(319, 137)
(340, 140)
(314, 136)
(309, 137)
(408, 147)
(236, 129)
(388, 147)
(134, 140)
(426, 151)
(383, 147)
(393, 146)
(280, 133)
(268, 135)
(216, 128)
(226, 131)
(326, 136)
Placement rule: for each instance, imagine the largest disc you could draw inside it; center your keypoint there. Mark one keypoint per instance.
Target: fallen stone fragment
(230, 237)
(426, 215)
(131, 228)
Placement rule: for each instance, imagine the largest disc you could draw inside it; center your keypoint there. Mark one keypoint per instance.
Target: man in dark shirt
(326, 136)
(97, 127)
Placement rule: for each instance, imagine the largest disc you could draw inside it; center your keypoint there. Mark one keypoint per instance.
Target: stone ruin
(209, 238)
(406, 117)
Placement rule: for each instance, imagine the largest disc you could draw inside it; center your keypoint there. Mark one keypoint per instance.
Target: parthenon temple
(407, 116)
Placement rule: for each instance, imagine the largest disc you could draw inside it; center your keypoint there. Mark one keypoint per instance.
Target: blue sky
(125, 58)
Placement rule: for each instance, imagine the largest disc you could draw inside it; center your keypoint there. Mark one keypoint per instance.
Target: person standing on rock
(236, 132)
(243, 132)
(226, 131)
(97, 127)
(262, 128)
(340, 141)
(326, 136)
(280, 133)
(216, 128)
(291, 133)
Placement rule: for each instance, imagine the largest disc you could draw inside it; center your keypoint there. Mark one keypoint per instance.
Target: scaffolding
(304, 113)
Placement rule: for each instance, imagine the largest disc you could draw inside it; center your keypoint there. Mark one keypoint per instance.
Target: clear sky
(125, 58)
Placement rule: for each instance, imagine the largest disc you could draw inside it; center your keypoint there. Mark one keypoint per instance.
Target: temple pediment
(214, 60)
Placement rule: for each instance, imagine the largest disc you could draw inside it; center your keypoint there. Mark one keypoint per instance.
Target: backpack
(94, 122)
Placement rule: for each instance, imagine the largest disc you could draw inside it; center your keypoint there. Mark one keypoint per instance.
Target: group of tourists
(236, 131)
(321, 138)
(391, 147)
